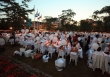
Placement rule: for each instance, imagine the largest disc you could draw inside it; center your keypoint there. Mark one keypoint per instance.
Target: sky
(83, 8)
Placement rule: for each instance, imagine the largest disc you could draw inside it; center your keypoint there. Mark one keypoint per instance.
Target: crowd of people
(61, 42)
(72, 39)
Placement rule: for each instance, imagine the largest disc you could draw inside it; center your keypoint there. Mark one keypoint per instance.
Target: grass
(81, 70)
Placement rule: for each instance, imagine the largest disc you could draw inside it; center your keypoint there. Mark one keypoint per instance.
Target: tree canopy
(15, 12)
(105, 16)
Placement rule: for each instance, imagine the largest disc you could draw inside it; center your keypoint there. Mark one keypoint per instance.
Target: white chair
(51, 51)
(90, 56)
(67, 50)
(61, 53)
(42, 48)
(35, 46)
(24, 44)
(11, 41)
(2, 41)
(22, 50)
(32, 54)
(74, 57)
(7, 37)
(27, 53)
(80, 53)
(38, 43)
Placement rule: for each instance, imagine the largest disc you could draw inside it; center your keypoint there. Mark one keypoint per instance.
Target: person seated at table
(1, 36)
(94, 40)
(51, 47)
(2, 43)
(107, 40)
(50, 43)
(77, 45)
(61, 47)
(63, 36)
(4, 34)
(67, 48)
(109, 52)
(30, 47)
(102, 45)
(99, 51)
(28, 40)
(107, 49)
(74, 48)
(58, 42)
(61, 51)
(75, 38)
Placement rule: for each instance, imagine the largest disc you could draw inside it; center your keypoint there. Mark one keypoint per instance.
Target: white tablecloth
(2, 41)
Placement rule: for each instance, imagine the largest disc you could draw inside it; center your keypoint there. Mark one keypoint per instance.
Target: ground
(81, 70)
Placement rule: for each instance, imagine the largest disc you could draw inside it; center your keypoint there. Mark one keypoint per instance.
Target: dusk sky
(83, 8)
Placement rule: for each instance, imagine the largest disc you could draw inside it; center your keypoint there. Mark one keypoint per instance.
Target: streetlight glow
(11, 28)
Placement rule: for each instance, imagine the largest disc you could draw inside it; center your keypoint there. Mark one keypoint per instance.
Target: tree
(74, 25)
(95, 17)
(99, 26)
(66, 16)
(85, 25)
(49, 22)
(15, 12)
(105, 12)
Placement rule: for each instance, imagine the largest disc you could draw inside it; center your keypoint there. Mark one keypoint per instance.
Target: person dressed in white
(99, 52)
(5, 35)
(51, 50)
(12, 37)
(77, 45)
(58, 44)
(62, 36)
(107, 49)
(107, 40)
(28, 40)
(67, 49)
(80, 51)
(61, 51)
(94, 40)
(42, 48)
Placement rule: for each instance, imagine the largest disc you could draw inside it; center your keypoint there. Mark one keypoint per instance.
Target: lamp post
(94, 24)
(11, 28)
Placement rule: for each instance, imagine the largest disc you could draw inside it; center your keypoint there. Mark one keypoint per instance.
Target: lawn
(81, 70)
